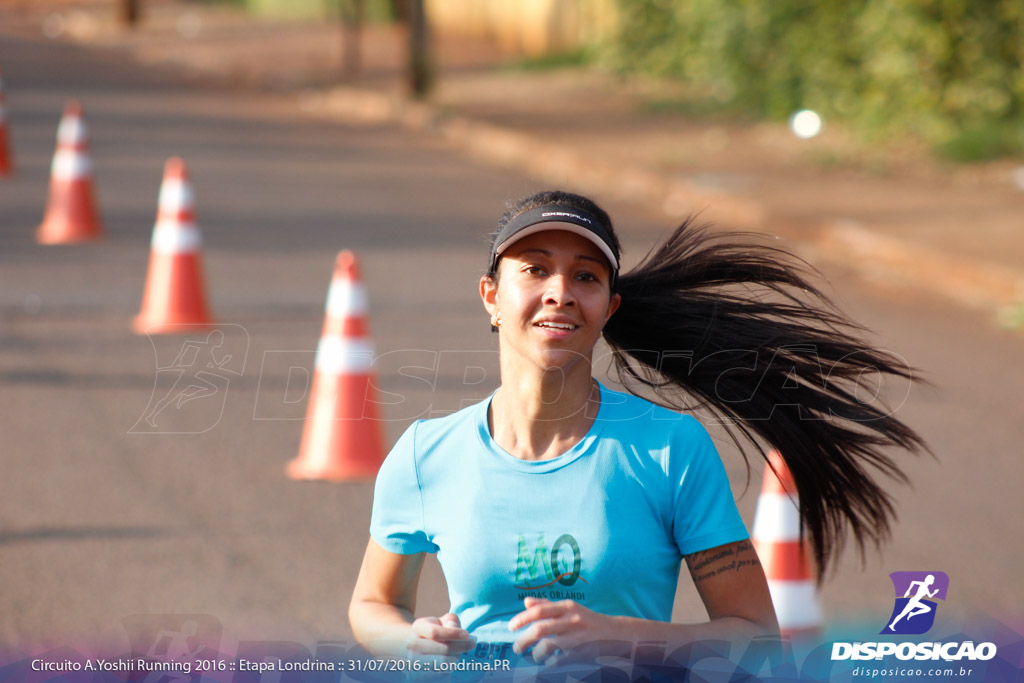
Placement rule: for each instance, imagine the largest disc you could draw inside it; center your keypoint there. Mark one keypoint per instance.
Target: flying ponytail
(720, 321)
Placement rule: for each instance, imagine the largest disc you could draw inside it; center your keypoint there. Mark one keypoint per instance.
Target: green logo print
(540, 568)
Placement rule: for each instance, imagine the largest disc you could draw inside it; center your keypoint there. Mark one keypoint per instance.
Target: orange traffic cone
(342, 438)
(785, 557)
(175, 298)
(6, 165)
(71, 210)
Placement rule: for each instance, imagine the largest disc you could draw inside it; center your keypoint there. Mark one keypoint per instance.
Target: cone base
(145, 325)
(174, 299)
(70, 214)
(300, 471)
(342, 439)
(62, 233)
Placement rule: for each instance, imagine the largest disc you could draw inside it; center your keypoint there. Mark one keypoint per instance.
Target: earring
(495, 321)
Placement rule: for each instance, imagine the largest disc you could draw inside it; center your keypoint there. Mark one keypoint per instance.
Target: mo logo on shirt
(539, 566)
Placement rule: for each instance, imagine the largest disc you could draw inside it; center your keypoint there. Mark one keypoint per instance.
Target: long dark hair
(728, 323)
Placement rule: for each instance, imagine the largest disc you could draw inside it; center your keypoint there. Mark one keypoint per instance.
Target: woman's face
(552, 298)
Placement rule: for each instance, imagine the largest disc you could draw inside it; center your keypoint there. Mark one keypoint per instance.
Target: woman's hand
(557, 627)
(439, 636)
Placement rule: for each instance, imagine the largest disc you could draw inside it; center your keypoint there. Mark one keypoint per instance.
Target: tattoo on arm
(722, 560)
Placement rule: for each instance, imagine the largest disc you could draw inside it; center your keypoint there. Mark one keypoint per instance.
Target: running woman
(561, 511)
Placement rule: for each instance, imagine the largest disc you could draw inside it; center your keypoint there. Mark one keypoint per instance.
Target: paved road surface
(101, 519)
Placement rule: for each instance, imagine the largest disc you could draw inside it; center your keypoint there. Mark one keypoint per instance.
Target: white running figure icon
(914, 606)
(173, 647)
(189, 367)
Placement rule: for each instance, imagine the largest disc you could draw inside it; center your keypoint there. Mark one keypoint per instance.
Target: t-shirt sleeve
(396, 523)
(705, 514)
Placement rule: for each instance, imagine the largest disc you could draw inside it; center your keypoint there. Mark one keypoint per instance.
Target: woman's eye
(588, 277)
(534, 270)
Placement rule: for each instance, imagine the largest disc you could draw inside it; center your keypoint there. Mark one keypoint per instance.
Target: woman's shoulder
(629, 410)
(671, 438)
(427, 432)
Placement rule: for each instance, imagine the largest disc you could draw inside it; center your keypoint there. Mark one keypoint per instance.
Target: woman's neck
(541, 415)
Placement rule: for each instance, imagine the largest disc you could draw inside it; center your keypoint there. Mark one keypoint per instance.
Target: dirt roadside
(893, 216)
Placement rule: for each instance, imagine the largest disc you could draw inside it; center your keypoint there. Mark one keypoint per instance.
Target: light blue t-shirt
(605, 524)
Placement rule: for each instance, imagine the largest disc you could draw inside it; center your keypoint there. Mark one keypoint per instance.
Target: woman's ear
(613, 305)
(489, 294)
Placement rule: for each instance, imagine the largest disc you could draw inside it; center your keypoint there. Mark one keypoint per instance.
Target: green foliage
(554, 60)
(933, 69)
(239, 3)
(374, 11)
(1012, 317)
(983, 141)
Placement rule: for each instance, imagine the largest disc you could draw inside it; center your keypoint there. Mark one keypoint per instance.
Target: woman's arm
(732, 584)
(382, 607)
(728, 578)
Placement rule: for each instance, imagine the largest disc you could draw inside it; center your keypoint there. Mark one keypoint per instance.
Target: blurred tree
(352, 14)
(943, 71)
(128, 12)
(421, 68)
(400, 10)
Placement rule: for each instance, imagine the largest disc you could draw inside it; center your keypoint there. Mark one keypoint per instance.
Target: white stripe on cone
(340, 356)
(172, 237)
(776, 518)
(70, 164)
(796, 604)
(175, 195)
(346, 298)
(71, 131)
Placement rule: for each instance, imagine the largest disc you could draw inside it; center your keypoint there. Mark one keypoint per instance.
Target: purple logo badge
(916, 593)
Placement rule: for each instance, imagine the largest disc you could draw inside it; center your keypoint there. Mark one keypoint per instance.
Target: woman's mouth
(556, 329)
(568, 327)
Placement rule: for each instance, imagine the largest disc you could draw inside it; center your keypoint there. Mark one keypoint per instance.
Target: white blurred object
(1018, 177)
(82, 25)
(806, 124)
(53, 25)
(190, 25)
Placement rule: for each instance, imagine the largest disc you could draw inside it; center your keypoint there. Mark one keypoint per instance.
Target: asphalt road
(102, 521)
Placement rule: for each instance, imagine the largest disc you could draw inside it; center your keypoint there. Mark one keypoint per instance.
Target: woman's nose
(559, 292)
